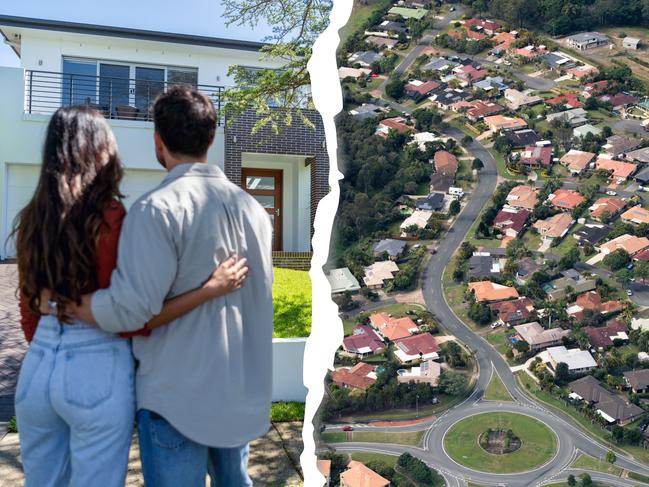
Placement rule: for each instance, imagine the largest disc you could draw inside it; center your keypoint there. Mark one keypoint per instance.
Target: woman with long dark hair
(75, 398)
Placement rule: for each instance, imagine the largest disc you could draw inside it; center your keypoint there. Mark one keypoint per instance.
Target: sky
(201, 17)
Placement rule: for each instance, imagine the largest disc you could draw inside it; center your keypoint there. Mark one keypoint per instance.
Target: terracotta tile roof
(500, 122)
(396, 123)
(476, 36)
(423, 343)
(324, 467)
(582, 71)
(533, 155)
(611, 206)
(423, 88)
(637, 214)
(522, 196)
(360, 376)
(393, 328)
(554, 227)
(445, 163)
(603, 337)
(358, 475)
(470, 73)
(566, 198)
(480, 109)
(491, 291)
(363, 340)
(484, 24)
(630, 243)
(618, 169)
(577, 160)
(503, 40)
(568, 99)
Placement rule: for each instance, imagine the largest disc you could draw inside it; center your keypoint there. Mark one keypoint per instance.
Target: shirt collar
(200, 169)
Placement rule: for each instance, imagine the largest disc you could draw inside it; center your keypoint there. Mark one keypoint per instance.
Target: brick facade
(298, 139)
(299, 261)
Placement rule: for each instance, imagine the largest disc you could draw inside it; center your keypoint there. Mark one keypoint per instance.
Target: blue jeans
(169, 459)
(75, 406)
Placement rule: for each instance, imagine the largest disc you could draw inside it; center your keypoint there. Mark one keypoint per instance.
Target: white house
(119, 71)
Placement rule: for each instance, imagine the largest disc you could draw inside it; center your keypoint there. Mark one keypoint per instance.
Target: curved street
(571, 439)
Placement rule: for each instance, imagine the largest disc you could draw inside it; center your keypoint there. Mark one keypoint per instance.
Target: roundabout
(500, 443)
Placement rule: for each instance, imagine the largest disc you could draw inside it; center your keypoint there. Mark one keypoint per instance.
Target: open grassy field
(538, 446)
(496, 390)
(292, 303)
(587, 462)
(360, 14)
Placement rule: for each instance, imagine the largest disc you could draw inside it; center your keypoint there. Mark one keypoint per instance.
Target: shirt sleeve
(28, 320)
(146, 268)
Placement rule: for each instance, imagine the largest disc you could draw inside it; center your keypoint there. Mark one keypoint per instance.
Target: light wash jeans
(75, 406)
(169, 459)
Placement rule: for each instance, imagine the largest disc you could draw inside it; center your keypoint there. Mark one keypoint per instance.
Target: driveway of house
(12, 342)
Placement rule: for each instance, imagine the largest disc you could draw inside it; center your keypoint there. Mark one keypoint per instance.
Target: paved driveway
(12, 342)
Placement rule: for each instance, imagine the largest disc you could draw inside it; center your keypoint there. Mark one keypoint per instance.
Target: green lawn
(409, 438)
(539, 443)
(567, 243)
(586, 462)
(496, 390)
(287, 411)
(292, 303)
(532, 240)
(502, 168)
(498, 340)
(359, 16)
(639, 477)
(363, 457)
(445, 402)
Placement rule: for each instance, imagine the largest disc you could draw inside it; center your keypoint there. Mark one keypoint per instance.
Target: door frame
(278, 192)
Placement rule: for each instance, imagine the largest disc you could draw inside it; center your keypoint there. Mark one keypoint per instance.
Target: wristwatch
(52, 307)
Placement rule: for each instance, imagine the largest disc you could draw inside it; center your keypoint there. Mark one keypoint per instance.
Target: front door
(265, 185)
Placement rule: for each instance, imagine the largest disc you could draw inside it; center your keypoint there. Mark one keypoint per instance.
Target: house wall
(288, 357)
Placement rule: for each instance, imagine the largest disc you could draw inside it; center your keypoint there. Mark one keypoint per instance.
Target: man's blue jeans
(170, 459)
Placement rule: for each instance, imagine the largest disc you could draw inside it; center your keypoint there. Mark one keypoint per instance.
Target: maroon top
(106, 256)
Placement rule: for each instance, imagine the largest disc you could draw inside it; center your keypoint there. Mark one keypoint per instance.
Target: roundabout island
(500, 443)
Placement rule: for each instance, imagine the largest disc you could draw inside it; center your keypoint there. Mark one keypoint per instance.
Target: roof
(342, 280)
(574, 358)
(517, 99)
(423, 343)
(522, 138)
(511, 218)
(440, 182)
(421, 88)
(620, 99)
(419, 218)
(482, 23)
(439, 64)
(470, 73)
(568, 99)
(392, 246)
(592, 233)
(445, 163)
(377, 273)
(432, 202)
(574, 116)
(617, 145)
(585, 129)
(577, 160)
(393, 328)
(642, 176)
(503, 40)
(128, 33)
(514, 310)
(345, 72)
(637, 379)
(360, 376)
(637, 214)
(537, 155)
(616, 407)
(630, 243)
(324, 467)
(639, 155)
(631, 40)
(395, 123)
(408, 13)
(554, 227)
(611, 206)
(537, 336)
(604, 336)
(358, 475)
(363, 340)
(618, 169)
(522, 196)
(585, 37)
(364, 57)
(491, 291)
(381, 41)
(566, 199)
(480, 109)
(500, 122)
(483, 266)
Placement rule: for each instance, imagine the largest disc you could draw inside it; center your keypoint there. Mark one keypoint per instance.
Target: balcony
(115, 98)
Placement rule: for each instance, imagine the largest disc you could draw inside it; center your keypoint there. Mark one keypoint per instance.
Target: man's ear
(157, 140)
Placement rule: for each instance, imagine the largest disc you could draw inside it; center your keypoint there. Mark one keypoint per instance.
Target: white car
(629, 292)
(611, 193)
(495, 325)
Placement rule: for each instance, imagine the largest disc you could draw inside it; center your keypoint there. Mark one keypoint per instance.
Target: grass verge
(409, 438)
(586, 462)
(496, 390)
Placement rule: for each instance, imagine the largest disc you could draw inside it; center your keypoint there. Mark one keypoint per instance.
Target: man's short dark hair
(185, 119)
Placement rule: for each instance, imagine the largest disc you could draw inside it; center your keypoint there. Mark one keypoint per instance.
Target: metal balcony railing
(116, 98)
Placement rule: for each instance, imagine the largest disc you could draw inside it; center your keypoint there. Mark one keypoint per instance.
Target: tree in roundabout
(500, 442)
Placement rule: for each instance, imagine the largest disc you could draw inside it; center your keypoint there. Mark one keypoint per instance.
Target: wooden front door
(265, 185)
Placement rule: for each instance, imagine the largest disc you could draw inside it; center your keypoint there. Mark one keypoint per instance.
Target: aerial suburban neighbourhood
(491, 254)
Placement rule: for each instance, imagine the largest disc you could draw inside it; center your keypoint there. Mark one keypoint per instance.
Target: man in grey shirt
(204, 381)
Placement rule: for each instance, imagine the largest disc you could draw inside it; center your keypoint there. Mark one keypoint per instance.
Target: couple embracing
(161, 316)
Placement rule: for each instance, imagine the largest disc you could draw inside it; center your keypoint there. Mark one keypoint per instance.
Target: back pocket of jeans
(89, 376)
(28, 369)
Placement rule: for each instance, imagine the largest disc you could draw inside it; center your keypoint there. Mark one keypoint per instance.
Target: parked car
(348, 428)
(495, 324)
(611, 193)
(629, 292)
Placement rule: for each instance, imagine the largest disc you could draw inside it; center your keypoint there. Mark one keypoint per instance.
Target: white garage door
(22, 180)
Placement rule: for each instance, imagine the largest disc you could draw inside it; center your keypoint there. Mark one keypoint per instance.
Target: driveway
(633, 126)
(12, 342)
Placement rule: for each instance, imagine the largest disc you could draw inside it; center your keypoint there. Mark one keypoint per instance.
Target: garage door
(22, 180)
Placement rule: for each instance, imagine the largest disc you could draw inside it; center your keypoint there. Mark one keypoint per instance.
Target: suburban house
(488, 26)
(511, 221)
(566, 199)
(613, 408)
(354, 73)
(592, 301)
(119, 71)
(416, 347)
(517, 99)
(342, 281)
(364, 59)
(592, 233)
(604, 337)
(358, 475)
(379, 272)
(536, 156)
(440, 182)
(558, 288)
(477, 110)
(360, 376)
(577, 161)
(363, 341)
(497, 123)
(630, 243)
(418, 90)
(584, 130)
(578, 361)
(418, 219)
(432, 202)
(631, 43)
(539, 338)
(606, 207)
(638, 155)
(636, 215)
(398, 124)
(427, 372)
(489, 292)
(618, 145)
(521, 138)
(586, 40)
(554, 227)
(365, 111)
(394, 248)
(525, 269)
(575, 117)
(393, 328)
(522, 196)
(568, 100)
(618, 170)
(381, 42)
(513, 312)
(445, 163)
(637, 380)
(483, 266)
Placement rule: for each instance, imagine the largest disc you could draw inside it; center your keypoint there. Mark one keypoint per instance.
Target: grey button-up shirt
(208, 372)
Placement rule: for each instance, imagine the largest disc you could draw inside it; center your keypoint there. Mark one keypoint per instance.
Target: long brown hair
(56, 233)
